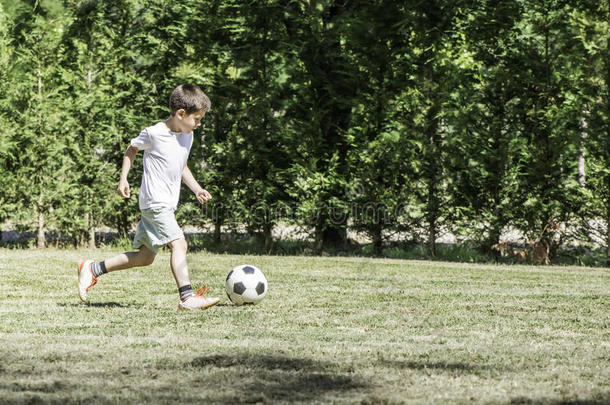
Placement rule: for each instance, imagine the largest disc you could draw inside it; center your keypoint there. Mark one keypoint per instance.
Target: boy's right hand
(123, 189)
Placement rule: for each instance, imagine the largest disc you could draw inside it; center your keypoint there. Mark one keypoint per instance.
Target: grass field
(331, 330)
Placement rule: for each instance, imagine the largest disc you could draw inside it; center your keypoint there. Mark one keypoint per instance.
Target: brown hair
(188, 97)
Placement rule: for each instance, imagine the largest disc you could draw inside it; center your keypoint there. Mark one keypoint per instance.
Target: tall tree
(93, 49)
(432, 22)
(321, 110)
(8, 135)
(41, 163)
(550, 175)
(114, 77)
(486, 144)
(381, 159)
(263, 161)
(590, 24)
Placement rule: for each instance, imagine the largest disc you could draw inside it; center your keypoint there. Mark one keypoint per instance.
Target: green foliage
(323, 83)
(381, 178)
(41, 166)
(7, 137)
(486, 144)
(394, 120)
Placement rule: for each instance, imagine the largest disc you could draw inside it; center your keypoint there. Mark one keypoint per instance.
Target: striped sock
(185, 291)
(98, 268)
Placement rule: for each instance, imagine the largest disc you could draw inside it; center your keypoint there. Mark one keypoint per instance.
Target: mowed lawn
(331, 330)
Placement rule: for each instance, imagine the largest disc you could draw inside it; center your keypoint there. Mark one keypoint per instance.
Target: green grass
(331, 330)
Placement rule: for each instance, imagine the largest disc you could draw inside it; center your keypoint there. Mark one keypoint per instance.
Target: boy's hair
(188, 97)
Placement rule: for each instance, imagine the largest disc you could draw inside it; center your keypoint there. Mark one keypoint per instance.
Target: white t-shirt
(165, 155)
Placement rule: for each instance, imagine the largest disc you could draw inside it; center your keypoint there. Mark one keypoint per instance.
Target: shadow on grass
(261, 378)
(110, 304)
(225, 304)
(600, 399)
(462, 368)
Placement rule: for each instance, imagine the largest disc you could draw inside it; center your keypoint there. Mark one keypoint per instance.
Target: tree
(432, 22)
(590, 24)
(259, 158)
(8, 136)
(94, 48)
(320, 110)
(549, 122)
(381, 157)
(41, 163)
(486, 145)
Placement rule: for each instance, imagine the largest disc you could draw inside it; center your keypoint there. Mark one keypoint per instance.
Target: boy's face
(189, 122)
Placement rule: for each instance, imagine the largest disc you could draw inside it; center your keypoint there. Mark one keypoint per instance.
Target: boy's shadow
(111, 304)
(107, 305)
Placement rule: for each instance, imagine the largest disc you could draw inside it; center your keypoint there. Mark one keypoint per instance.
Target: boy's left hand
(203, 196)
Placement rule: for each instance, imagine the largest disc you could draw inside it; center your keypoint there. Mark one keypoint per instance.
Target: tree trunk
(500, 170)
(432, 235)
(495, 235)
(608, 140)
(267, 234)
(318, 240)
(92, 238)
(217, 231)
(90, 232)
(41, 241)
(378, 239)
(581, 147)
(330, 231)
(433, 174)
(123, 225)
(608, 230)
(335, 237)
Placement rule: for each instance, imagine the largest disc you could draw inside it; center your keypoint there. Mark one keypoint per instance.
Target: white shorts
(157, 227)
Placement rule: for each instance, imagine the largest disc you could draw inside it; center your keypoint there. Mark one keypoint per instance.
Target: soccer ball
(246, 285)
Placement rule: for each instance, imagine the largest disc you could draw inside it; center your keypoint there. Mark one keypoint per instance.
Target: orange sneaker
(199, 300)
(86, 279)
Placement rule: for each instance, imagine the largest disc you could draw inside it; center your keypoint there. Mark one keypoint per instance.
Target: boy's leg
(127, 260)
(89, 271)
(178, 262)
(188, 298)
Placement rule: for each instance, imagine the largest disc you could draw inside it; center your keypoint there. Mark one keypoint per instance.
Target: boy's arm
(128, 158)
(189, 180)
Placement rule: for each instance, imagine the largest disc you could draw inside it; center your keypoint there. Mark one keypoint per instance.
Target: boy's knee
(179, 245)
(148, 259)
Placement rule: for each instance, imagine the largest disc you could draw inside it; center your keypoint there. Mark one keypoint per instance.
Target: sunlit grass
(331, 330)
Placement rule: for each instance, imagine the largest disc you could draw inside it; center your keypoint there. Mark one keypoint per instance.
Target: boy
(166, 147)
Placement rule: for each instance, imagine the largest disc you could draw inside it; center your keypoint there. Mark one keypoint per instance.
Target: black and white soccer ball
(246, 284)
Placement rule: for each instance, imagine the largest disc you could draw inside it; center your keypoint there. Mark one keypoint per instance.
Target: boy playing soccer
(166, 147)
